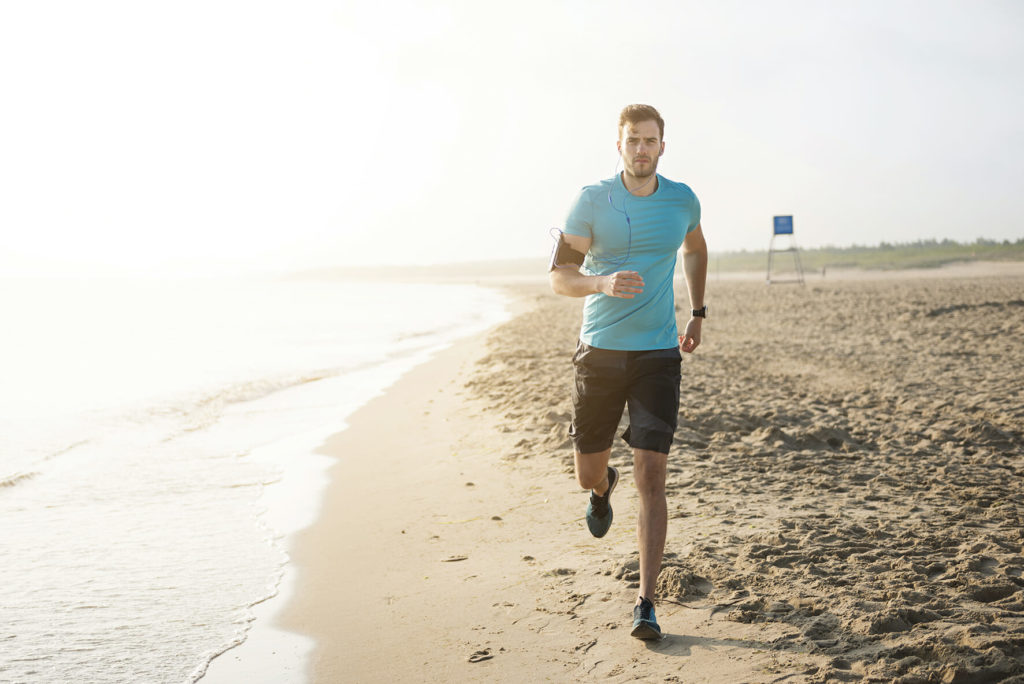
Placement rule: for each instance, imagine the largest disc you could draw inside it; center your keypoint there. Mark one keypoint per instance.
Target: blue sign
(783, 225)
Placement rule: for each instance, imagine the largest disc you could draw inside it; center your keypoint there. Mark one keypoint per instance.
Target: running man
(625, 232)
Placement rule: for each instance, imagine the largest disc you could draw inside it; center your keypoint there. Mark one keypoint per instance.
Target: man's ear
(618, 146)
(662, 148)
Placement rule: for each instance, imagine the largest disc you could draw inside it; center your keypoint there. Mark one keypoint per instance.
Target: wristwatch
(702, 312)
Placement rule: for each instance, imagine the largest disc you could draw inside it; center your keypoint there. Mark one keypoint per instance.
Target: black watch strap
(702, 312)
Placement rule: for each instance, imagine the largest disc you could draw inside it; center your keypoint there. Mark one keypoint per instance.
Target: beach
(844, 494)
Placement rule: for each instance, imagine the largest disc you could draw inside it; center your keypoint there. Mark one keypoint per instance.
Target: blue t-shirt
(646, 243)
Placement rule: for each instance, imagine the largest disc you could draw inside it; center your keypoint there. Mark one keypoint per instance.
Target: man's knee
(649, 468)
(588, 480)
(591, 469)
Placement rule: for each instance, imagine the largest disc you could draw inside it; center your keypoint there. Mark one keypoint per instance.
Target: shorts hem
(576, 445)
(649, 440)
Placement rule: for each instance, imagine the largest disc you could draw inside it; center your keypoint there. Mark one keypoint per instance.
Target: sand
(844, 491)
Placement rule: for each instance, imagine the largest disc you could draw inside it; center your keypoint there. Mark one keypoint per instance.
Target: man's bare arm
(695, 268)
(567, 280)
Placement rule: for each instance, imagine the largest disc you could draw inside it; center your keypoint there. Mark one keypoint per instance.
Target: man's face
(640, 146)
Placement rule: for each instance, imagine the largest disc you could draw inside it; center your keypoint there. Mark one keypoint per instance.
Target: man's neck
(640, 187)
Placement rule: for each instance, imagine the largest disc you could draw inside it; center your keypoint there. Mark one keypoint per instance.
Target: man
(625, 233)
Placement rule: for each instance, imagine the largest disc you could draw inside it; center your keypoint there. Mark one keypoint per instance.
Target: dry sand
(845, 502)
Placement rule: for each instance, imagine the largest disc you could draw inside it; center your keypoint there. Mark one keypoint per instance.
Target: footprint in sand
(481, 655)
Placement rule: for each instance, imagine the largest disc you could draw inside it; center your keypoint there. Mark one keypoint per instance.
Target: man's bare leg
(652, 522)
(592, 470)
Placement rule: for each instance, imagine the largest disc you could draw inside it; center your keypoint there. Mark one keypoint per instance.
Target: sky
(230, 136)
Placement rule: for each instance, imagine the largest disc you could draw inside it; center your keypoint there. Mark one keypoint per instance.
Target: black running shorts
(607, 380)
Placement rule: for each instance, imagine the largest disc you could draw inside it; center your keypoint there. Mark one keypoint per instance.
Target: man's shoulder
(600, 187)
(676, 189)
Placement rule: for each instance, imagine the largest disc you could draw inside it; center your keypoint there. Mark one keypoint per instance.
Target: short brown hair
(635, 113)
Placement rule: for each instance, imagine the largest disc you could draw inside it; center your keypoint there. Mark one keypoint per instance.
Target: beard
(642, 170)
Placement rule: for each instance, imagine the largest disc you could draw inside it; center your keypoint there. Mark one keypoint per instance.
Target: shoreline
(279, 645)
(266, 652)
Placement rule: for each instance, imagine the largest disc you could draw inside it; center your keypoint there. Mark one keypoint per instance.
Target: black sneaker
(645, 625)
(599, 510)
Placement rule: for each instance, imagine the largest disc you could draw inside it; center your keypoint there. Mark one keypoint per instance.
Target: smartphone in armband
(562, 255)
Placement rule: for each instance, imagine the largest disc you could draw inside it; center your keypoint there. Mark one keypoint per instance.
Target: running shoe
(645, 625)
(599, 510)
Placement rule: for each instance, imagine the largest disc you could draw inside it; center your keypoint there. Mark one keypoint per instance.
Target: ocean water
(144, 427)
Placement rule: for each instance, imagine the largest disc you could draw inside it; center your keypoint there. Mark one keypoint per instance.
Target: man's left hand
(690, 339)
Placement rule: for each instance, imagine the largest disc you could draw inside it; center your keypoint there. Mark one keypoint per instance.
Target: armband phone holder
(562, 255)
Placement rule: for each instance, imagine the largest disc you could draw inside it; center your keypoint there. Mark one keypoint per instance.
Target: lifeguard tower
(783, 226)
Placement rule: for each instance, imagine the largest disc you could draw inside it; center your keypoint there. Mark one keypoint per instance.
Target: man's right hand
(623, 284)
